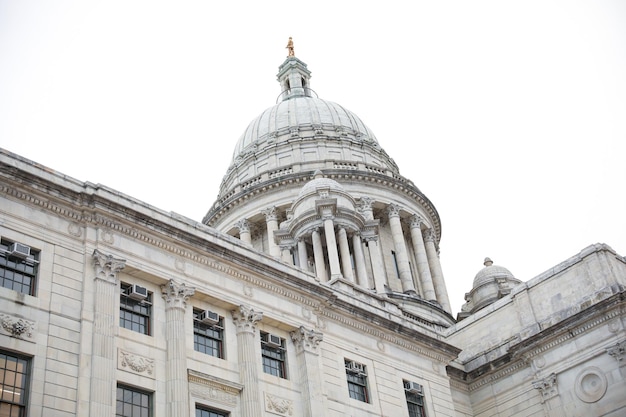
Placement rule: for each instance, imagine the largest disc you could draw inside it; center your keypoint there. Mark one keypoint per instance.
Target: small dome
(319, 182)
(302, 117)
(490, 272)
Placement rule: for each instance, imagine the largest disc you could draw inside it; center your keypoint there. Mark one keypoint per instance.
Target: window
(273, 355)
(414, 399)
(18, 267)
(357, 381)
(14, 376)
(208, 333)
(207, 412)
(135, 308)
(132, 402)
(395, 263)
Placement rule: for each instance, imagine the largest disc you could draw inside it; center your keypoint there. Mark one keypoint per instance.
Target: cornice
(233, 199)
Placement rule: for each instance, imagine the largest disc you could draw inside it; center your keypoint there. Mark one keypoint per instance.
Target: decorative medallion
(380, 345)
(248, 291)
(277, 405)
(107, 237)
(590, 385)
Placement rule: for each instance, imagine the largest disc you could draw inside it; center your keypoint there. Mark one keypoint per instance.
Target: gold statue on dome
(290, 47)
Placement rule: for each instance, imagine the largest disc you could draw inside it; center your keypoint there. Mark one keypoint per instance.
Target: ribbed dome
(490, 272)
(302, 117)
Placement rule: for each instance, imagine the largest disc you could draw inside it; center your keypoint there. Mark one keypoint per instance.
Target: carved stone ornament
(617, 350)
(17, 327)
(246, 318)
(243, 225)
(416, 221)
(393, 210)
(176, 295)
(107, 266)
(277, 405)
(547, 387)
(74, 229)
(306, 340)
(270, 214)
(135, 363)
(429, 236)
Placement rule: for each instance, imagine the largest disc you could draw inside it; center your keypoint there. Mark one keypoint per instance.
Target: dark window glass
(357, 381)
(414, 399)
(135, 313)
(208, 412)
(14, 377)
(132, 402)
(18, 271)
(273, 355)
(208, 338)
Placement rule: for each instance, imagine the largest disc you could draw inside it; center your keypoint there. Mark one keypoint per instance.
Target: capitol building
(312, 287)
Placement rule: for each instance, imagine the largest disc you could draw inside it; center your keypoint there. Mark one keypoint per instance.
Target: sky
(509, 115)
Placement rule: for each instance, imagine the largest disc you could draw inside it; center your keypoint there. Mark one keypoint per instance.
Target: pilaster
(246, 319)
(310, 376)
(104, 330)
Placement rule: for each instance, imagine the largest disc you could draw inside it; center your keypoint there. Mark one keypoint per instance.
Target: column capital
(107, 266)
(243, 225)
(270, 213)
(429, 236)
(176, 295)
(393, 210)
(547, 386)
(617, 350)
(365, 203)
(246, 318)
(306, 340)
(416, 221)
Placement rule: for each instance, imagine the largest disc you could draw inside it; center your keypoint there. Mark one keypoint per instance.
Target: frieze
(135, 363)
(277, 405)
(17, 327)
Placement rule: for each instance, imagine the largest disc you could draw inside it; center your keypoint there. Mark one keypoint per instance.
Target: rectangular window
(14, 377)
(273, 355)
(208, 333)
(202, 411)
(18, 267)
(414, 393)
(135, 308)
(132, 402)
(357, 381)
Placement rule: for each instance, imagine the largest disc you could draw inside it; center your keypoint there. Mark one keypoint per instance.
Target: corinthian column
(303, 257)
(309, 373)
(376, 256)
(245, 319)
(422, 261)
(244, 231)
(271, 219)
(318, 254)
(103, 338)
(177, 392)
(344, 248)
(435, 269)
(402, 259)
(359, 260)
(331, 247)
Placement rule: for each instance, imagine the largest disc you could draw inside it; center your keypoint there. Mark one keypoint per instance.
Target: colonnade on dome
(377, 245)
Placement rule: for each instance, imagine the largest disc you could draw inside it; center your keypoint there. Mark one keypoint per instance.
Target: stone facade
(312, 288)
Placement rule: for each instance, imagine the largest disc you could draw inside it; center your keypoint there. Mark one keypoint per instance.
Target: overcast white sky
(509, 115)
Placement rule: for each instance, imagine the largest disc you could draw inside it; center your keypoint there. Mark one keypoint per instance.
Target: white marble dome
(305, 116)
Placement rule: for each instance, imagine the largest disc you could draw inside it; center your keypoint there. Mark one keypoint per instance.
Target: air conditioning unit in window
(355, 368)
(209, 317)
(18, 250)
(413, 387)
(273, 340)
(137, 292)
